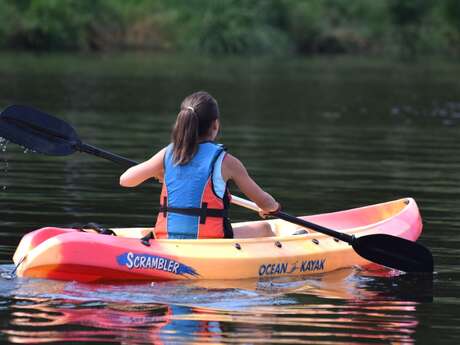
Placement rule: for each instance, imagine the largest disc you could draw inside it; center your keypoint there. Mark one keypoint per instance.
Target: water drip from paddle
(4, 162)
(3, 144)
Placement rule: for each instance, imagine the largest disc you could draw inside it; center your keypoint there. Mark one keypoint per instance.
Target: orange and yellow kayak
(285, 250)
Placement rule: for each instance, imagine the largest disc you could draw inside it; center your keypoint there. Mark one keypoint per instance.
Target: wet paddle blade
(394, 252)
(37, 131)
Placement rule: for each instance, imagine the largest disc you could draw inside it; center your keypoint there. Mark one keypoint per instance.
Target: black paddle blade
(394, 252)
(38, 131)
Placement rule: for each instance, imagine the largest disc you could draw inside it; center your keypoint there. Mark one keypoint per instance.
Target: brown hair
(197, 113)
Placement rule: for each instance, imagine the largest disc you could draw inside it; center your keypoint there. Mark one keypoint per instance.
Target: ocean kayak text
(146, 261)
(283, 267)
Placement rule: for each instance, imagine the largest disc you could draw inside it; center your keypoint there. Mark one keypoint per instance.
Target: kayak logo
(312, 265)
(282, 267)
(146, 261)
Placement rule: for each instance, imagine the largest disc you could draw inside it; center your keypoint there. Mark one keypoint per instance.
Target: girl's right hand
(272, 211)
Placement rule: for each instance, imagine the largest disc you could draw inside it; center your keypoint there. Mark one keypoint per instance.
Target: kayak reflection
(345, 306)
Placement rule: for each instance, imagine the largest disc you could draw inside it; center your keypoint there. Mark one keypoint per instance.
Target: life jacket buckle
(203, 212)
(165, 206)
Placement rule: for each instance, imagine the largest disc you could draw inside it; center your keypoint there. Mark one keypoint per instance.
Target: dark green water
(320, 135)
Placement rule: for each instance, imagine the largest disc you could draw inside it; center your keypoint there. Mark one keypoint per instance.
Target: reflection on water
(151, 323)
(345, 306)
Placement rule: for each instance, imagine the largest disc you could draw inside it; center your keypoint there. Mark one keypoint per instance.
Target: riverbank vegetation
(280, 27)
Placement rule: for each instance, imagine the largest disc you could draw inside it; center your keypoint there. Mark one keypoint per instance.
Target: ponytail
(198, 111)
(185, 136)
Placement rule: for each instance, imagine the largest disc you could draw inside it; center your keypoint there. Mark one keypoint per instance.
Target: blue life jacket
(194, 199)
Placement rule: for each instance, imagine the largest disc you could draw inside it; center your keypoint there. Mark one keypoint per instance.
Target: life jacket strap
(203, 212)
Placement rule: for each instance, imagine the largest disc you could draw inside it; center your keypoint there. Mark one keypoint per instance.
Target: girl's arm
(137, 174)
(233, 169)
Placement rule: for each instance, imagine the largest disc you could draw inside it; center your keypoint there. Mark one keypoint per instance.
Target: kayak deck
(284, 249)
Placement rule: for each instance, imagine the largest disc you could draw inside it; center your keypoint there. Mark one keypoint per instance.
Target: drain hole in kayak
(315, 241)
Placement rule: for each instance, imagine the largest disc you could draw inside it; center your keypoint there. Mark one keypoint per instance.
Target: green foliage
(409, 12)
(235, 27)
(57, 24)
(452, 13)
(408, 17)
(335, 26)
(232, 26)
(8, 16)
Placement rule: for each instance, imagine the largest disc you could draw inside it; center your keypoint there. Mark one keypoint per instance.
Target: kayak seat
(253, 229)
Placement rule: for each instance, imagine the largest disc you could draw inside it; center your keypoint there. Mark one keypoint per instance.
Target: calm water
(320, 135)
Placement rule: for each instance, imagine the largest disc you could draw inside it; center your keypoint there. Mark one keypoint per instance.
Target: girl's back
(195, 171)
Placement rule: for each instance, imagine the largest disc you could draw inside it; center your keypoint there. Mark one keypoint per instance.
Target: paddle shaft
(95, 151)
(291, 219)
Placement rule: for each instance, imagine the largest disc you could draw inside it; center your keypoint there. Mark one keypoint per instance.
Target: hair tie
(191, 108)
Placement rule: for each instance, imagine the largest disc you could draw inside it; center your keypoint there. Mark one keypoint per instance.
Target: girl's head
(196, 121)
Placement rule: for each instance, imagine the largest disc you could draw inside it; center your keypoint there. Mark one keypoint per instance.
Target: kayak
(133, 254)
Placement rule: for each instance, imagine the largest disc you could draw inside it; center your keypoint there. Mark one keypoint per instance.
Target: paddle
(43, 133)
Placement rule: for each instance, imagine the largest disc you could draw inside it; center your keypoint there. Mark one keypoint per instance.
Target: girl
(195, 171)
